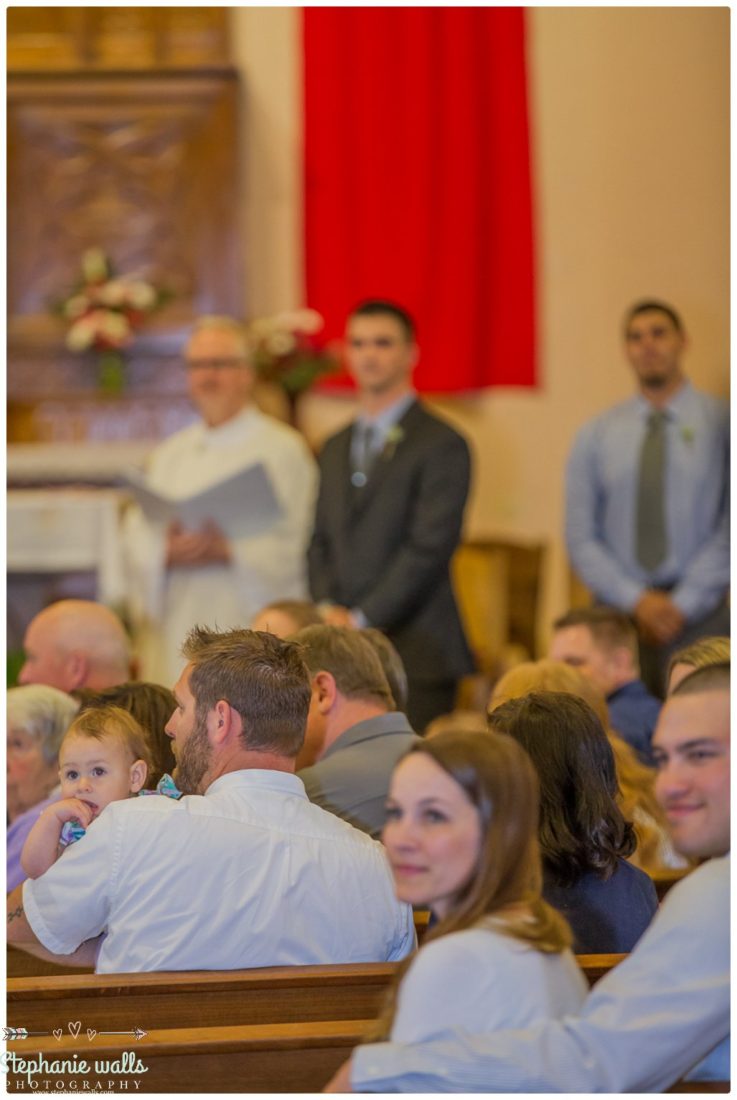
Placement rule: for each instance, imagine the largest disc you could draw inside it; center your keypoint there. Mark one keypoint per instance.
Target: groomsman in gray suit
(393, 489)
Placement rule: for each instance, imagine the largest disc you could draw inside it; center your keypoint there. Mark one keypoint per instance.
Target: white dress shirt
(249, 874)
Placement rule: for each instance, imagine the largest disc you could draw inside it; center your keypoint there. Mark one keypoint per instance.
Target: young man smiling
(660, 1015)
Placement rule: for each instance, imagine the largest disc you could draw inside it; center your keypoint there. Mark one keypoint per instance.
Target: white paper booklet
(242, 504)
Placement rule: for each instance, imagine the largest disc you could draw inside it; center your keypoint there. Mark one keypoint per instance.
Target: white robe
(165, 604)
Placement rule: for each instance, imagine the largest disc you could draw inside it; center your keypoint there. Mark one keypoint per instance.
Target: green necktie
(652, 544)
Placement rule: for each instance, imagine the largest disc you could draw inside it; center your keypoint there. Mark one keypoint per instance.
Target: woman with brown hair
(636, 782)
(461, 836)
(584, 838)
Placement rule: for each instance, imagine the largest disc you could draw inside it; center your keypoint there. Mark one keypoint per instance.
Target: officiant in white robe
(218, 576)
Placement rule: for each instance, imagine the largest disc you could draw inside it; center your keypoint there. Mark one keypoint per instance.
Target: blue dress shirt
(633, 712)
(601, 498)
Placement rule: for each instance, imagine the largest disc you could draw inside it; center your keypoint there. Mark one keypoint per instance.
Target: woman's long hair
(581, 826)
(499, 779)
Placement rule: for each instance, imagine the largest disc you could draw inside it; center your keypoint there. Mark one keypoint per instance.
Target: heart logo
(57, 1034)
(74, 1028)
(91, 1033)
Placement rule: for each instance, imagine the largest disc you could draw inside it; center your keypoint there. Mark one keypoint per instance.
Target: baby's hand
(71, 809)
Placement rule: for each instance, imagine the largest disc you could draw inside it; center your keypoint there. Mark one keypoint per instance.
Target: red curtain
(417, 182)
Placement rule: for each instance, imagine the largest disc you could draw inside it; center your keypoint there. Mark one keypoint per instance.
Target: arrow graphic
(10, 1033)
(136, 1032)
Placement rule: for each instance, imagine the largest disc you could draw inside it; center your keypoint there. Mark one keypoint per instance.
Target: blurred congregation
(368, 707)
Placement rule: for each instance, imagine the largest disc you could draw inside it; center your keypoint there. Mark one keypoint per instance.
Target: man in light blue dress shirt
(677, 593)
(663, 1013)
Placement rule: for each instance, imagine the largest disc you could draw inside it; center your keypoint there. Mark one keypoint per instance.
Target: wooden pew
(284, 994)
(596, 966)
(666, 879)
(271, 1058)
(279, 994)
(21, 964)
(295, 1057)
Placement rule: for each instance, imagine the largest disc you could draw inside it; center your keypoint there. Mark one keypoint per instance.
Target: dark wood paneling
(122, 38)
(144, 166)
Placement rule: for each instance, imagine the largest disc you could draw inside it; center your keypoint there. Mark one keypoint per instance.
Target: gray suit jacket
(352, 778)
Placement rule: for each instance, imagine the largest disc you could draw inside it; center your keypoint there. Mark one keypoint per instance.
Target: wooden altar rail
(280, 994)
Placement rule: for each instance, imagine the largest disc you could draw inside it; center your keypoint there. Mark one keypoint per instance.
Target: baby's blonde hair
(100, 723)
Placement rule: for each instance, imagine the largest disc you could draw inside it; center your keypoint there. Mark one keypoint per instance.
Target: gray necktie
(652, 545)
(365, 454)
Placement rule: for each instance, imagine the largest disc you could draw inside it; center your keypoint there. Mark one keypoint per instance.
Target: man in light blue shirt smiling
(647, 497)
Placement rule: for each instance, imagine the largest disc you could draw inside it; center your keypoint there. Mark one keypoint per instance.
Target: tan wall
(631, 160)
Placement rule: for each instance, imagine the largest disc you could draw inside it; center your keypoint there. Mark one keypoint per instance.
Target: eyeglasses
(206, 364)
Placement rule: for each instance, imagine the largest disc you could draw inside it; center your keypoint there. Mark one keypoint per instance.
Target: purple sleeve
(17, 835)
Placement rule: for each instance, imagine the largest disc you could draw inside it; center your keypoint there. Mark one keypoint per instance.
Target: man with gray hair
(355, 734)
(243, 871)
(180, 576)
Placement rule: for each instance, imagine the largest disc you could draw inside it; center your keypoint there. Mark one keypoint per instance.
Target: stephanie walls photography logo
(45, 1071)
(37, 1073)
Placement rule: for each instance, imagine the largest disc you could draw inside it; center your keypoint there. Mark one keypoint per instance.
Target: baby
(104, 756)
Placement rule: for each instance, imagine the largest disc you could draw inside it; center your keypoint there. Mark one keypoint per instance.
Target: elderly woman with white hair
(37, 719)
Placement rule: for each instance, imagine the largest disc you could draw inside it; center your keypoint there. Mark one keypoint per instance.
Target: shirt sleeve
(644, 1025)
(405, 941)
(589, 554)
(70, 903)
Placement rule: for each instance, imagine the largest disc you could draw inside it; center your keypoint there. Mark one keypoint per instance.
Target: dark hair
(581, 827)
(349, 657)
(708, 678)
(375, 307)
(609, 627)
(151, 705)
(652, 306)
(392, 665)
(261, 676)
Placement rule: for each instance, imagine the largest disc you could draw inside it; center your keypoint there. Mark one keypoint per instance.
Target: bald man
(76, 644)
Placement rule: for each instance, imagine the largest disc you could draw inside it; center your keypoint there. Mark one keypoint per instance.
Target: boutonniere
(394, 437)
(687, 435)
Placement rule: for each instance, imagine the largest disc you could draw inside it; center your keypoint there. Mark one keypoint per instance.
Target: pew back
(280, 994)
